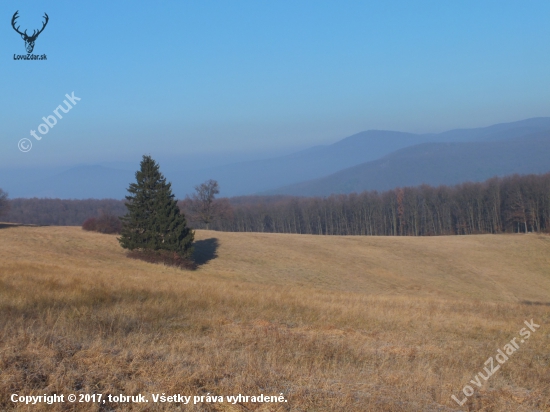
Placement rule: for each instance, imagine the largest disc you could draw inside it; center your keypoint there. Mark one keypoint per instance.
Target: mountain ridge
(434, 163)
(265, 175)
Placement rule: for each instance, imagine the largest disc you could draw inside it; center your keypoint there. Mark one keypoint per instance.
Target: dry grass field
(333, 323)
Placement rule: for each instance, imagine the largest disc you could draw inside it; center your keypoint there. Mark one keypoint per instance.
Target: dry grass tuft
(402, 325)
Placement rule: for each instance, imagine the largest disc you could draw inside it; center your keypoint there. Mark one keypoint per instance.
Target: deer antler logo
(29, 40)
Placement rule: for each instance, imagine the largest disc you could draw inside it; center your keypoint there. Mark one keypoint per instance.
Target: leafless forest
(500, 205)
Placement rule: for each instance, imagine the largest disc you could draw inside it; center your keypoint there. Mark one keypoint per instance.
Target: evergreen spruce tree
(154, 221)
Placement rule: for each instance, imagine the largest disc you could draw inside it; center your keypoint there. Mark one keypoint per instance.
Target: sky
(177, 79)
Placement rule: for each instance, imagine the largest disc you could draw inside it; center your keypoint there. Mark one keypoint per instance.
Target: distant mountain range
(321, 161)
(435, 164)
(373, 159)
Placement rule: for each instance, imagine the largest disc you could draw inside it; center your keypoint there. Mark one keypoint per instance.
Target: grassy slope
(336, 323)
(491, 268)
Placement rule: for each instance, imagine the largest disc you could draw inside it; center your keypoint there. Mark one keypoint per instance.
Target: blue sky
(179, 78)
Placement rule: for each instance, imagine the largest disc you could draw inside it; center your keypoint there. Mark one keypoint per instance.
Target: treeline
(60, 212)
(499, 205)
(4, 203)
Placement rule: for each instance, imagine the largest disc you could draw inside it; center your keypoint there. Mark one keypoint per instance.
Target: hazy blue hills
(501, 131)
(260, 176)
(376, 158)
(435, 164)
(257, 176)
(81, 182)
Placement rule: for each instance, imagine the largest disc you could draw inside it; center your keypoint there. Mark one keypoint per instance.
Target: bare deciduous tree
(4, 204)
(509, 204)
(204, 206)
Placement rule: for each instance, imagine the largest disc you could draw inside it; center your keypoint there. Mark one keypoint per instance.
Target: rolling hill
(251, 177)
(435, 164)
(360, 324)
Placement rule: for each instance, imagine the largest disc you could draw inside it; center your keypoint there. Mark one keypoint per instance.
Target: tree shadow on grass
(205, 250)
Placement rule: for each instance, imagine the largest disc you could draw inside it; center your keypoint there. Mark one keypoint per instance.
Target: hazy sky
(182, 77)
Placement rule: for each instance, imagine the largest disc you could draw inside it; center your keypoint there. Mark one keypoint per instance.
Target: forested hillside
(60, 212)
(498, 205)
(512, 204)
(435, 164)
